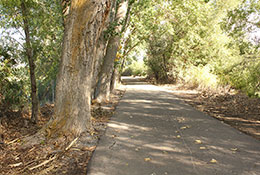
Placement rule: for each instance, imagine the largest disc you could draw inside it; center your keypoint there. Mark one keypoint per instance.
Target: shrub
(12, 93)
(137, 68)
(201, 77)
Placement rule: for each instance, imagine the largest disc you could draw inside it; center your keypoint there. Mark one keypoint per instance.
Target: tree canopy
(204, 43)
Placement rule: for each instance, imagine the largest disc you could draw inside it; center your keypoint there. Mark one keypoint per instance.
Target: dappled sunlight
(138, 101)
(154, 129)
(159, 146)
(117, 126)
(125, 126)
(144, 87)
(170, 90)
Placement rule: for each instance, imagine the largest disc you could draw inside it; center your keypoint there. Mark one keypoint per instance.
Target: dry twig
(44, 163)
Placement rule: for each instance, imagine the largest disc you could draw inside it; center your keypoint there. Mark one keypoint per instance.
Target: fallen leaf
(92, 133)
(86, 148)
(213, 161)
(198, 141)
(185, 127)
(147, 159)
(137, 149)
(202, 147)
(233, 149)
(178, 136)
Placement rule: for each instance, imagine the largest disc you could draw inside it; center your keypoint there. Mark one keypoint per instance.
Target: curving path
(154, 133)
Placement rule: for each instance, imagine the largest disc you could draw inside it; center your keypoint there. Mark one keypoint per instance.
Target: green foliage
(12, 92)
(201, 76)
(46, 26)
(245, 76)
(202, 43)
(111, 30)
(136, 68)
(242, 72)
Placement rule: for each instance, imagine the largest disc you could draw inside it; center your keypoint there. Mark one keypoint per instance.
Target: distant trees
(30, 29)
(115, 29)
(242, 24)
(202, 43)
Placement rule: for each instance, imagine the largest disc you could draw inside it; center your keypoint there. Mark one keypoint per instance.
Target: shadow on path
(155, 133)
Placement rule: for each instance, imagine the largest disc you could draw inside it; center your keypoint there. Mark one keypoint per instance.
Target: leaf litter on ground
(69, 156)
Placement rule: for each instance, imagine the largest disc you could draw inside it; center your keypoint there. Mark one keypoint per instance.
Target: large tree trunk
(29, 54)
(103, 85)
(83, 27)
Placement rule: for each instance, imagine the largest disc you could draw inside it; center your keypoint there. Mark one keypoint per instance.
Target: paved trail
(155, 133)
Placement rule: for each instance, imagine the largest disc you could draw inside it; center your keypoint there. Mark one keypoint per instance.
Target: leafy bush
(246, 76)
(137, 68)
(201, 77)
(127, 72)
(12, 92)
(206, 45)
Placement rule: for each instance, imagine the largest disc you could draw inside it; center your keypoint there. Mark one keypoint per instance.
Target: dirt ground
(68, 156)
(71, 156)
(232, 107)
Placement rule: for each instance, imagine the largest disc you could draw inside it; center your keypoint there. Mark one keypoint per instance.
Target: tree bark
(115, 79)
(103, 85)
(29, 54)
(83, 28)
(101, 50)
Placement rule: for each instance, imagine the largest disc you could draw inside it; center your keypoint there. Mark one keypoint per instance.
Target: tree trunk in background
(115, 79)
(103, 85)
(29, 54)
(101, 50)
(83, 28)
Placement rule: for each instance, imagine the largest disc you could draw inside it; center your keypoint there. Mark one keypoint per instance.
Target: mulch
(68, 156)
(232, 107)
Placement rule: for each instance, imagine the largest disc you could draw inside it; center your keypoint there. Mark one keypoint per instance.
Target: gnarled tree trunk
(83, 28)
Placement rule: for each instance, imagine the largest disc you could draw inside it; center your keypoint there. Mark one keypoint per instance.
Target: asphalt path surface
(155, 133)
